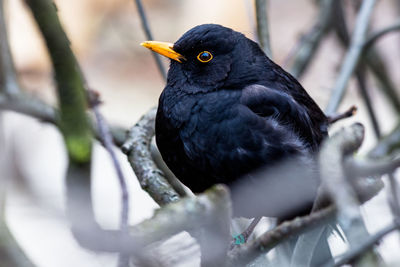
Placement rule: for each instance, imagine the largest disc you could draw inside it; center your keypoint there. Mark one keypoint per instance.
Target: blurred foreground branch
(333, 176)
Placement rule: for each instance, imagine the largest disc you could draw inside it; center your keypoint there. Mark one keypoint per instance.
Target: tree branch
(149, 36)
(29, 106)
(104, 132)
(387, 144)
(261, 7)
(352, 255)
(343, 34)
(369, 167)
(347, 114)
(74, 123)
(371, 58)
(246, 253)
(309, 42)
(331, 158)
(352, 56)
(373, 38)
(137, 148)
(8, 78)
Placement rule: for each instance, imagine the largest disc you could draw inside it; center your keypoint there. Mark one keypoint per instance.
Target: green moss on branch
(70, 85)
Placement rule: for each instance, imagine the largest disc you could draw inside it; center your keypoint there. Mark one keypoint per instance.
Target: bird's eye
(204, 56)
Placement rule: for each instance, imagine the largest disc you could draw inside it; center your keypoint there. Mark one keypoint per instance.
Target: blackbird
(228, 110)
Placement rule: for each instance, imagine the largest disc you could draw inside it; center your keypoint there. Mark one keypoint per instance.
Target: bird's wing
(267, 102)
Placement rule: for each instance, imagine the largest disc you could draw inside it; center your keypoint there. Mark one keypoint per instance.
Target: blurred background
(105, 36)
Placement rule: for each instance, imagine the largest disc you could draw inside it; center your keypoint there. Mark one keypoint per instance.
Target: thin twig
(362, 85)
(343, 33)
(8, 77)
(358, 250)
(261, 7)
(246, 253)
(34, 107)
(344, 115)
(371, 58)
(104, 132)
(394, 201)
(373, 38)
(352, 56)
(149, 36)
(387, 145)
(29, 106)
(309, 42)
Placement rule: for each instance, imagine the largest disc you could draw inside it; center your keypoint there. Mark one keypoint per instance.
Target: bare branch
(347, 114)
(352, 56)
(29, 106)
(371, 58)
(149, 36)
(137, 148)
(305, 50)
(394, 201)
(104, 132)
(261, 7)
(378, 34)
(70, 85)
(353, 254)
(343, 34)
(8, 77)
(387, 144)
(356, 167)
(248, 252)
(331, 158)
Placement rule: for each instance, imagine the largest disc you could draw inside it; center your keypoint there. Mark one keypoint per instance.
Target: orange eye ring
(204, 56)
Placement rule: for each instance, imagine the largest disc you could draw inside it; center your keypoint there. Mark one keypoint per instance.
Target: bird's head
(207, 55)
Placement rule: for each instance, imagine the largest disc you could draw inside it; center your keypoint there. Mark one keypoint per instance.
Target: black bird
(228, 110)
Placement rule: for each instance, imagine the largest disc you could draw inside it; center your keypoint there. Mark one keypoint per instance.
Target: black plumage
(227, 111)
(222, 119)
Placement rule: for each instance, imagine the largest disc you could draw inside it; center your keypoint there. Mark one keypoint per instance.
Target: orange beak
(164, 49)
